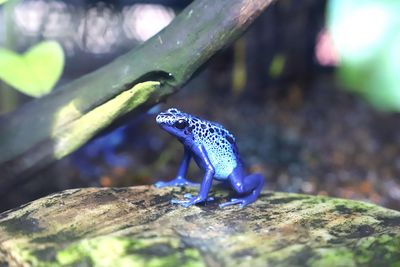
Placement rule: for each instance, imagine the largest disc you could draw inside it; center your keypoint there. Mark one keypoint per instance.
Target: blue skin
(214, 150)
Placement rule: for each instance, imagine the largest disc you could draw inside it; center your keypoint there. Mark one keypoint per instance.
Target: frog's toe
(233, 201)
(179, 181)
(160, 184)
(183, 203)
(190, 200)
(187, 204)
(189, 196)
(241, 201)
(189, 183)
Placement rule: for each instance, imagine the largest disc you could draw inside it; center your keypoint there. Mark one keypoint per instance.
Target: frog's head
(175, 122)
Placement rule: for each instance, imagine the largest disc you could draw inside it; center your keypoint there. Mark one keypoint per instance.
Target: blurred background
(311, 92)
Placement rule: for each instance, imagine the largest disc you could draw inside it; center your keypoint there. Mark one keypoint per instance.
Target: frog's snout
(163, 118)
(168, 117)
(160, 118)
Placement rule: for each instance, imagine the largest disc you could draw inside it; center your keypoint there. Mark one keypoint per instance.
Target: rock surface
(137, 226)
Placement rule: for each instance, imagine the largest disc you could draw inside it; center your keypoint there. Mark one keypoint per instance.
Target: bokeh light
(142, 21)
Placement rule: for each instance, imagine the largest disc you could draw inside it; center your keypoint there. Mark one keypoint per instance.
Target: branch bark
(33, 136)
(137, 226)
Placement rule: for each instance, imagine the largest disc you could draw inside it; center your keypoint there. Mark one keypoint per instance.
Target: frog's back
(219, 143)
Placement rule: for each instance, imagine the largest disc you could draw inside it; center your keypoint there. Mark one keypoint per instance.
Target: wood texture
(138, 226)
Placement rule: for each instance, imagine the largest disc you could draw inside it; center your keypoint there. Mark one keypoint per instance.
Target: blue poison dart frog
(215, 151)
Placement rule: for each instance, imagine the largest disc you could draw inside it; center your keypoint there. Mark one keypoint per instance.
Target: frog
(214, 150)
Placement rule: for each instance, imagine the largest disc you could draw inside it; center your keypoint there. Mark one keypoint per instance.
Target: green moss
(117, 251)
(350, 207)
(337, 257)
(27, 256)
(114, 251)
(379, 251)
(285, 256)
(287, 234)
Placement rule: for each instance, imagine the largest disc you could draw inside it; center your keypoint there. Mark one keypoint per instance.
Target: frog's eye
(180, 124)
(173, 110)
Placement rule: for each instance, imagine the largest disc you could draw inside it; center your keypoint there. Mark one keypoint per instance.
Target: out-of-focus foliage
(277, 65)
(3, 1)
(366, 34)
(36, 71)
(239, 76)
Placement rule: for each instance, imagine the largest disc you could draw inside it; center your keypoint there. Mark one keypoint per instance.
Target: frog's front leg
(180, 179)
(250, 185)
(204, 163)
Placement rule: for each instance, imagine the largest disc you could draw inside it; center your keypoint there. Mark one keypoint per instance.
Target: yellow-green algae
(339, 257)
(118, 251)
(76, 133)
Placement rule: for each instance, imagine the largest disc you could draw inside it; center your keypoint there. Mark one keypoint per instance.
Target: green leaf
(36, 71)
(367, 38)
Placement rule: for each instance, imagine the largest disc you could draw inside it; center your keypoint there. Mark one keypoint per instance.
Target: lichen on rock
(138, 226)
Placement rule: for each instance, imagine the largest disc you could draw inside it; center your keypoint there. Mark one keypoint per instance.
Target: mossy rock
(138, 226)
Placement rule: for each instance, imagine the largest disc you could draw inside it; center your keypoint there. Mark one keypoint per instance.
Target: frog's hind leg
(250, 186)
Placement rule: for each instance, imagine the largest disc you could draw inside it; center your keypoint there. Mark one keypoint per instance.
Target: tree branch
(31, 137)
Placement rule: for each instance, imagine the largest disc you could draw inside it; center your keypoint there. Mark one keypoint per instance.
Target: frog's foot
(178, 181)
(191, 200)
(241, 201)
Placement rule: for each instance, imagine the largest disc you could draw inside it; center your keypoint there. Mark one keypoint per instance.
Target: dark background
(291, 117)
